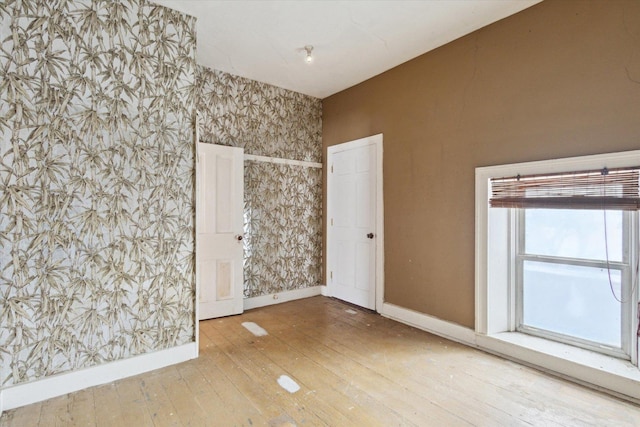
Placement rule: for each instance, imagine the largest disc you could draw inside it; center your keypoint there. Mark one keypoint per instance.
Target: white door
(220, 191)
(353, 228)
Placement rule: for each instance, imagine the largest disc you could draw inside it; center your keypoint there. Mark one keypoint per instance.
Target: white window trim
(494, 300)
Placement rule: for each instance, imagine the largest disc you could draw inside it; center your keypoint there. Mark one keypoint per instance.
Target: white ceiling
(352, 40)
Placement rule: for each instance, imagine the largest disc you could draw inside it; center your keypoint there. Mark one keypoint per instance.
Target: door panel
(362, 263)
(224, 279)
(219, 230)
(363, 212)
(224, 194)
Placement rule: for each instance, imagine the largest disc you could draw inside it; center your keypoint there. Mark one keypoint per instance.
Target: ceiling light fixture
(308, 49)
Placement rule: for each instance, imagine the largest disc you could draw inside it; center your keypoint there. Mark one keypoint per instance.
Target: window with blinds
(558, 256)
(571, 258)
(610, 189)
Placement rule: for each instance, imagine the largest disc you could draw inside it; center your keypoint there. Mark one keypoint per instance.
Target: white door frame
(196, 188)
(376, 141)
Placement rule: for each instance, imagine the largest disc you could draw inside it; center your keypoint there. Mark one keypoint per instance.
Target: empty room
(321, 213)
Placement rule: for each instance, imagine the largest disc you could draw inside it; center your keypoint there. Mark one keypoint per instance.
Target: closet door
(353, 229)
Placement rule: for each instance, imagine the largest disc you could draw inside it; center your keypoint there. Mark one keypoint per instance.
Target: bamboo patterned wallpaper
(283, 225)
(283, 204)
(96, 183)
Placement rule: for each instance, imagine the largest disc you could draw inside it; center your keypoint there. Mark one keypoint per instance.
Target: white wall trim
(280, 161)
(58, 385)
(378, 139)
(428, 323)
(280, 297)
(615, 376)
(196, 240)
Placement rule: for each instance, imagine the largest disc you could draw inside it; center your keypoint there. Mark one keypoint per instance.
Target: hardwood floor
(354, 368)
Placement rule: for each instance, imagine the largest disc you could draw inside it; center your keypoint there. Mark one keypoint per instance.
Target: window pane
(572, 300)
(573, 233)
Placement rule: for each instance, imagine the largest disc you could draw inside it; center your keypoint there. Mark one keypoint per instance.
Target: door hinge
(331, 275)
(331, 221)
(331, 168)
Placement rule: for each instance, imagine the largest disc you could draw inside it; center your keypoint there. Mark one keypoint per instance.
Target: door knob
(370, 235)
(239, 238)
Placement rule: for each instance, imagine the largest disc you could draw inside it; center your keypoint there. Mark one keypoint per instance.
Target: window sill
(567, 361)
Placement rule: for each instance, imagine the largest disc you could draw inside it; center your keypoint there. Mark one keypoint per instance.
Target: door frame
(196, 264)
(376, 141)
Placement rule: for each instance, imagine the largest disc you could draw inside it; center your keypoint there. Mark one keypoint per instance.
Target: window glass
(572, 300)
(573, 233)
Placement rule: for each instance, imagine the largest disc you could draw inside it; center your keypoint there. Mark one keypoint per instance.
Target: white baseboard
(58, 385)
(324, 291)
(279, 297)
(429, 323)
(615, 376)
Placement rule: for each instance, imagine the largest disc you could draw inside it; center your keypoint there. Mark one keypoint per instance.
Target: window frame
(627, 309)
(494, 315)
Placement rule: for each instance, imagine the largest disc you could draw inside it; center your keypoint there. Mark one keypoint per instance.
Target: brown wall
(559, 79)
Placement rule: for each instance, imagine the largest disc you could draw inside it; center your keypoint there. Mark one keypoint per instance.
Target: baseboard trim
(617, 379)
(429, 323)
(279, 297)
(58, 385)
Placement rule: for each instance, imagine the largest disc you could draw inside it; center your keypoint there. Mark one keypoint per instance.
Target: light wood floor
(354, 368)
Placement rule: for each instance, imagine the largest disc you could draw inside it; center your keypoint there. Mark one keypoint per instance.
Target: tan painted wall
(559, 79)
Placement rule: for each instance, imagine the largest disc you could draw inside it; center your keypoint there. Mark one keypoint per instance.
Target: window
(571, 256)
(573, 277)
(565, 333)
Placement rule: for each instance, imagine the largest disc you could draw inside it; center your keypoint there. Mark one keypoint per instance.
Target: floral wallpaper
(96, 183)
(283, 203)
(263, 119)
(283, 225)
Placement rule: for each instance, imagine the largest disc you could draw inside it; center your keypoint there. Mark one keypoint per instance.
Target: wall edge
(58, 385)
(280, 297)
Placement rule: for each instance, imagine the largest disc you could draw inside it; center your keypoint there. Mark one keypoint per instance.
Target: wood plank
(55, 412)
(264, 374)
(420, 377)
(161, 409)
(108, 410)
(435, 396)
(355, 403)
(354, 367)
(22, 416)
(457, 366)
(383, 389)
(306, 376)
(131, 402)
(82, 410)
(228, 390)
(188, 410)
(483, 401)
